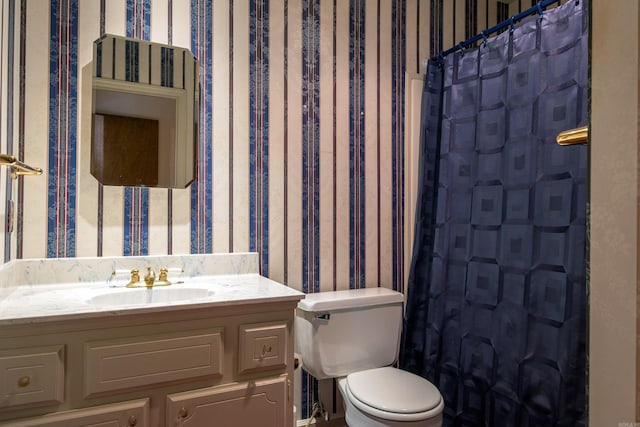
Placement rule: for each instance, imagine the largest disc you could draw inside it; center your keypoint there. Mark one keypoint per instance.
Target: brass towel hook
(573, 136)
(17, 167)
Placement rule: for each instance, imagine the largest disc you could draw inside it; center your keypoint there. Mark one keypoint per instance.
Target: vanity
(78, 348)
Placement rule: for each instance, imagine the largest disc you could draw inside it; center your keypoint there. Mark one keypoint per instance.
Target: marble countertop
(38, 301)
(45, 303)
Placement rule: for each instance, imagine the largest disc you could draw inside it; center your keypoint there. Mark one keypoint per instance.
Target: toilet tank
(341, 332)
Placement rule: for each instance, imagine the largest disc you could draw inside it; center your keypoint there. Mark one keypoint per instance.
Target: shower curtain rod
(483, 35)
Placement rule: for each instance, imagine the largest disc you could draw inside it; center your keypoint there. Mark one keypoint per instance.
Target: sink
(149, 296)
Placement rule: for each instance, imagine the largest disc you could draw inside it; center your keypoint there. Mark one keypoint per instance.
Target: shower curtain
(496, 307)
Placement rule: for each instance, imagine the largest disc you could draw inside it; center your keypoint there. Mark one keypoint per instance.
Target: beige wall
(613, 284)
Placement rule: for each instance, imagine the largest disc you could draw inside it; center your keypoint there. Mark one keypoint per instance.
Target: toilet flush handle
(324, 316)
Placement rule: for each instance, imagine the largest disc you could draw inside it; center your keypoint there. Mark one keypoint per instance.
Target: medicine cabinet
(144, 113)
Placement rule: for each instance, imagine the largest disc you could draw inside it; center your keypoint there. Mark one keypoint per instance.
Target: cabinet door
(134, 413)
(32, 377)
(256, 403)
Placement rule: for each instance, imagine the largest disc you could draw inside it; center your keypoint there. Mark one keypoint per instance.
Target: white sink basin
(141, 296)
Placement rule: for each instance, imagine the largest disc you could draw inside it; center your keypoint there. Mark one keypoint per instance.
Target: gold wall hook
(17, 167)
(573, 136)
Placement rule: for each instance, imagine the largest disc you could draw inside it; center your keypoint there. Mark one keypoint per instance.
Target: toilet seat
(393, 394)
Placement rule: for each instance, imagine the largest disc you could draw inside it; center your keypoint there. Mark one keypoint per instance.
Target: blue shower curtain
(496, 307)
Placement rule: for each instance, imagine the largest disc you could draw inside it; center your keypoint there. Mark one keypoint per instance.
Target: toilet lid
(393, 390)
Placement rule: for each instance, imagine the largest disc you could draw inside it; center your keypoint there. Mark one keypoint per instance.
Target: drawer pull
(266, 349)
(183, 412)
(24, 381)
(133, 421)
(262, 346)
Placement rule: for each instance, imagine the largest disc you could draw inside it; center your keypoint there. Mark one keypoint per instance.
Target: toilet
(354, 337)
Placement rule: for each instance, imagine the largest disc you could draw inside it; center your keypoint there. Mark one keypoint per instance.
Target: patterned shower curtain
(496, 311)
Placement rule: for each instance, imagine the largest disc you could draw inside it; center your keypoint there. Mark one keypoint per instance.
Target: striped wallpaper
(62, 141)
(301, 141)
(302, 131)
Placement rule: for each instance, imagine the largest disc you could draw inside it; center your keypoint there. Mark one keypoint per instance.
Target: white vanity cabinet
(192, 366)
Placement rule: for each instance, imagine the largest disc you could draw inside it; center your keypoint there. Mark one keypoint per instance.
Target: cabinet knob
(133, 420)
(24, 381)
(183, 412)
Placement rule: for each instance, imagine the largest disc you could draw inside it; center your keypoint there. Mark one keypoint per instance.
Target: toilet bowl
(354, 336)
(387, 396)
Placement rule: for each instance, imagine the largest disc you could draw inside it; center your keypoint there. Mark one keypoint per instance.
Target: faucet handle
(135, 278)
(162, 277)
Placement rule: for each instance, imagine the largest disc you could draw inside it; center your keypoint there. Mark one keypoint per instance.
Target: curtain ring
(540, 11)
(484, 39)
(461, 48)
(512, 23)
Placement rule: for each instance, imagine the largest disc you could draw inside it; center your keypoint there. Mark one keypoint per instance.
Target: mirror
(145, 113)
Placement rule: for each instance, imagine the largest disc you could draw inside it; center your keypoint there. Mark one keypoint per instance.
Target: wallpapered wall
(301, 139)
(301, 145)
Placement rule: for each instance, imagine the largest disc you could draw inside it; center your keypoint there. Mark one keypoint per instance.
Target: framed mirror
(145, 113)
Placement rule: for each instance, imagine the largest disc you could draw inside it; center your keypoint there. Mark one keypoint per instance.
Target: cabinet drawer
(32, 377)
(257, 403)
(262, 346)
(134, 413)
(134, 362)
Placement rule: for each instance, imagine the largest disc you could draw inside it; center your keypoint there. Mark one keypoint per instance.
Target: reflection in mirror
(145, 113)
(120, 164)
